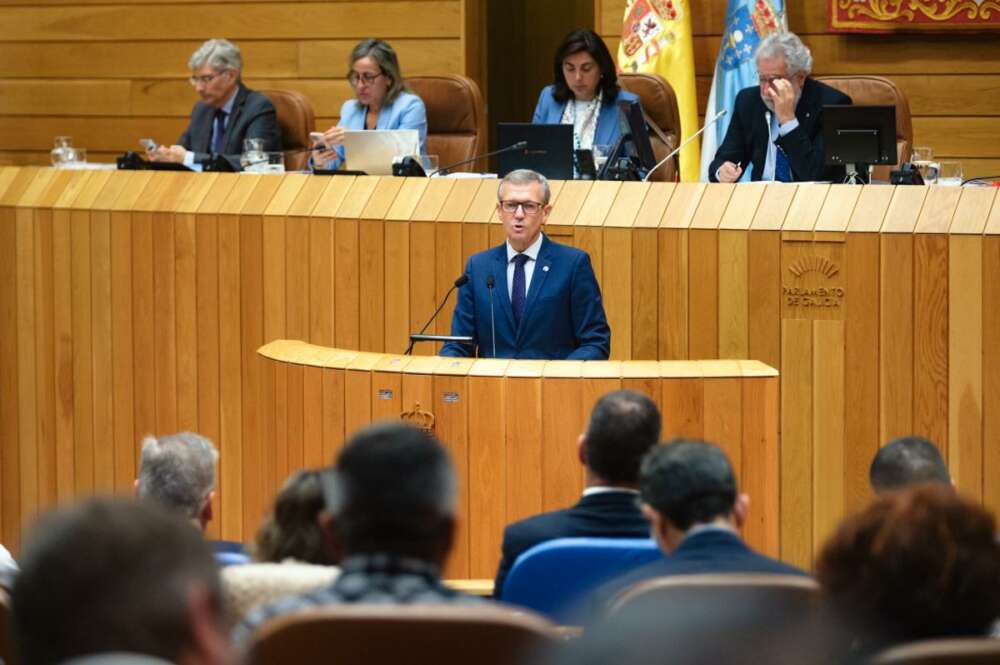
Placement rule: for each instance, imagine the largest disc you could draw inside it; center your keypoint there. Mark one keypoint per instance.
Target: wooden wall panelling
(61, 464)
(991, 370)
(703, 291)
(397, 264)
(426, 268)
(861, 365)
(724, 410)
(320, 204)
(358, 393)
(683, 400)
(523, 415)
(761, 465)
(488, 472)
(264, 295)
(644, 376)
(930, 336)
(619, 274)
(13, 476)
(38, 456)
(643, 282)
(896, 332)
(563, 420)
(296, 316)
(8, 350)
(219, 351)
(828, 443)
(964, 408)
(450, 405)
(347, 273)
(797, 414)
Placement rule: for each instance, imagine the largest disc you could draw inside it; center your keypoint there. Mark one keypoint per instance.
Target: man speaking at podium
(530, 297)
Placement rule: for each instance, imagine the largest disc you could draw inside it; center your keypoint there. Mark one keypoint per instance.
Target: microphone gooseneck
(459, 283)
(490, 283)
(520, 145)
(688, 140)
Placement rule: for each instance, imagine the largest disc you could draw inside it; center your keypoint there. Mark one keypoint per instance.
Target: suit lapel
(234, 118)
(542, 266)
(500, 279)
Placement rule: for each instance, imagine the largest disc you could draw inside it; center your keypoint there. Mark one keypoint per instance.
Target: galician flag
(656, 39)
(747, 23)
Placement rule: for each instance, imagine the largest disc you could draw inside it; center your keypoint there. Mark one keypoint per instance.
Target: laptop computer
(372, 150)
(549, 151)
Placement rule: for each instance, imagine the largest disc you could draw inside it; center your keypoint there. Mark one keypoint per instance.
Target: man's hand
(783, 97)
(174, 153)
(729, 172)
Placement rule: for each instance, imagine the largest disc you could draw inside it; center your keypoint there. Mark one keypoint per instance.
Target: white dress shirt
(529, 266)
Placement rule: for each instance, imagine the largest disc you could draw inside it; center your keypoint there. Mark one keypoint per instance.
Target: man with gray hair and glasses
(177, 471)
(777, 125)
(529, 297)
(227, 113)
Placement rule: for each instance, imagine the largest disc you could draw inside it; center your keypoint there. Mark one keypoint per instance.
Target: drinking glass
(601, 154)
(429, 162)
(923, 161)
(950, 173)
(268, 162)
(58, 153)
(253, 153)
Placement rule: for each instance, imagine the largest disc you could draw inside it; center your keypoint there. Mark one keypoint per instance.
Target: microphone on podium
(688, 140)
(520, 145)
(460, 282)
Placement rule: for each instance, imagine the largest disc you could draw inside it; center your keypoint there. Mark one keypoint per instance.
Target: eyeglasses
(208, 78)
(768, 80)
(367, 78)
(529, 207)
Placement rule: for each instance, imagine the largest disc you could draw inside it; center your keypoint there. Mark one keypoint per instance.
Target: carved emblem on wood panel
(813, 285)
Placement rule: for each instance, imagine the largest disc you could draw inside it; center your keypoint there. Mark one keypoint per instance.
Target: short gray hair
(787, 45)
(526, 177)
(219, 54)
(178, 471)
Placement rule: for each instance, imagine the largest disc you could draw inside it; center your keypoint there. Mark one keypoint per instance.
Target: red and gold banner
(910, 15)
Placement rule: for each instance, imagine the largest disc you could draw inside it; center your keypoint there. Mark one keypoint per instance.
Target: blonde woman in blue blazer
(382, 101)
(585, 91)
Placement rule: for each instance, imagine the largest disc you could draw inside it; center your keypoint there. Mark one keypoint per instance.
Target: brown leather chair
(882, 91)
(296, 119)
(794, 593)
(967, 651)
(394, 634)
(456, 118)
(660, 105)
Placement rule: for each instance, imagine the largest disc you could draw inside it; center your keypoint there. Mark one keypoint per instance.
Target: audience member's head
(393, 492)
(687, 483)
(624, 425)
(292, 530)
(178, 472)
(117, 576)
(906, 461)
(916, 564)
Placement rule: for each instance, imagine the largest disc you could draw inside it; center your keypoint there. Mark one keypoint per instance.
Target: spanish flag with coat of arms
(656, 39)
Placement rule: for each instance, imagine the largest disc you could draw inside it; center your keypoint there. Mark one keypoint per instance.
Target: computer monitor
(549, 150)
(633, 145)
(859, 134)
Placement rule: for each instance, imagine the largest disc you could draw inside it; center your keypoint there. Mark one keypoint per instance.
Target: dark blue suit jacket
(712, 551)
(549, 112)
(603, 515)
(746, 138)
(563, 316)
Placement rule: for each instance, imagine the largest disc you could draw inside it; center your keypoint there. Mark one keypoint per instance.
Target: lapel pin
(545, 268)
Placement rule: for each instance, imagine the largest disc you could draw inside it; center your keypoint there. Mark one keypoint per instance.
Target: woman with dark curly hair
(916, 564)
(290, 554)
(584, 91)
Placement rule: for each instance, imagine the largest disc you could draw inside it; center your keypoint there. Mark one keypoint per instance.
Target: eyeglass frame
(208, 78)
(523, 205)
(367, 77)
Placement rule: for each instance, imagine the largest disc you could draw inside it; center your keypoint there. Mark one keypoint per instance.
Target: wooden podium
(512, 425)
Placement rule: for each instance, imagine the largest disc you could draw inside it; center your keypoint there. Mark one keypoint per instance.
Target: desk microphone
(490, 283)
(520, 145)
(460, 282)
(689, 139)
